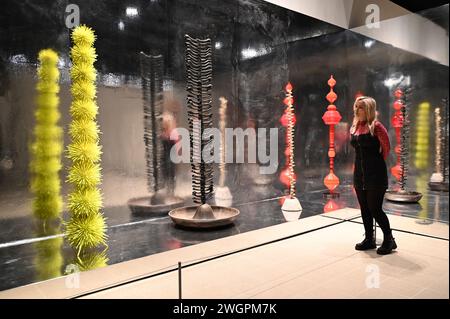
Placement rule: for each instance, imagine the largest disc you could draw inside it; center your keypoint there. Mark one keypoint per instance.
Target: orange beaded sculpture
(291, 204)
(397, 123)
(331, 118)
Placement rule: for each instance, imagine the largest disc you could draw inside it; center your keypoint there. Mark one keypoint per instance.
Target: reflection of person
(371, 142)
(168, 125)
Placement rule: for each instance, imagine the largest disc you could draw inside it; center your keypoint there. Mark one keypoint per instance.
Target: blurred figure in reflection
(169, 126)
(371, 142)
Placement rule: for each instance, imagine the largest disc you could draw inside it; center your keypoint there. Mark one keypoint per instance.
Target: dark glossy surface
(138, 237)
(258, 47)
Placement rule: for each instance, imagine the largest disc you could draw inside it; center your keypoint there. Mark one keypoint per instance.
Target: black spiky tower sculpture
(160, 170)
(439, 179)
(199, 102)
(402, 194)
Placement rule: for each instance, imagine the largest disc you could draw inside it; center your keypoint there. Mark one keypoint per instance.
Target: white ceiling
(398, 26)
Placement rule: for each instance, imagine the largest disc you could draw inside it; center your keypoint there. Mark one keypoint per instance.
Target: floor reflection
(32, 257)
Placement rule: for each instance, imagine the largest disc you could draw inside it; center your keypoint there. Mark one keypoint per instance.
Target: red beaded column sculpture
(285, 176)
(397, 123)
(331, 118)
(291, 203)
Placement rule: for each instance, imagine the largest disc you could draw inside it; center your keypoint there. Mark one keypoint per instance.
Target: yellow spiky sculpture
(91, 259)
(47, 146)
(86, 228)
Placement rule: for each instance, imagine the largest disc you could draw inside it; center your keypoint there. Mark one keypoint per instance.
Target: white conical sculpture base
(223, 196)
(437, 178)
(291, 209)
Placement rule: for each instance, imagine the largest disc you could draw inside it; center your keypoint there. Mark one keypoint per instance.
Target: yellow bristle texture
(92, 260)
(47, 147)
(83, 91)
(83, 36)
(86, 176)
(83, 110)
(84, 203)
(84, 54)
(84, 152)
(84, 131)
(86, 232)
(86, 228)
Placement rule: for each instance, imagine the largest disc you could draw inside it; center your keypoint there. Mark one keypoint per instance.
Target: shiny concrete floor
(320, 264)
(309, 258)
(26, 258)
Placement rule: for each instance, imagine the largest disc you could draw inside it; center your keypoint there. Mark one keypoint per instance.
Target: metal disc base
(438, 186)
(221, 216)
(147, 204)
(329, 195)
(403, 196)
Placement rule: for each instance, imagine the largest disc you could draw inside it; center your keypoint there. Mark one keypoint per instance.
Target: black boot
(366, 244)
(387, 246)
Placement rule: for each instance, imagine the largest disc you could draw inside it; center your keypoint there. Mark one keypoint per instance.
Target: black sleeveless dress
(370, 171)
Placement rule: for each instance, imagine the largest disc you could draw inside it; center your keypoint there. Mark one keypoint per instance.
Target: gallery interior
(202, 149)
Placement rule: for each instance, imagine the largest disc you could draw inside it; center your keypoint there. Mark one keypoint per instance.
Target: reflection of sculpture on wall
(47, 146)
(421, 186)
(222, 195)
(199, 100)
(397, 123)
(48, 256)
(332, 205)
(90, 259)
(439, 179)
(286, 120)
(402, 194)
(291, 204)
(86, 228)
(422, 136)
(157, 127)
(331, 118)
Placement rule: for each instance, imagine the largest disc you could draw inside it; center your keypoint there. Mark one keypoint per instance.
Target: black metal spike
(152, 92)
(199, 101)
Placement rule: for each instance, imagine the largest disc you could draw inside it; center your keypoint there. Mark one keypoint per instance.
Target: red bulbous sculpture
(285, 177)
(398, 105)
(284, 120)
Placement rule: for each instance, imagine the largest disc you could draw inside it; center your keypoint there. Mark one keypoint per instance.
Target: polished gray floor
(27, 257)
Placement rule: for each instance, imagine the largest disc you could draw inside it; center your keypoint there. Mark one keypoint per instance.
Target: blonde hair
(370, 108)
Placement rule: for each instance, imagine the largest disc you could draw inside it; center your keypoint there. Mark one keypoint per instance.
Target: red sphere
(331, 181)
(331, 97)
(284, 177)
(397, 120)
(331, 117)
(287, 152)
(398, 105)
(396, 171)
(288, 87)
(288, 101)
(284, 120)
(331, 81)
(398, 93)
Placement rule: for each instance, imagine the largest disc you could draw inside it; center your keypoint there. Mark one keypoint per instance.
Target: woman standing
(371, 142)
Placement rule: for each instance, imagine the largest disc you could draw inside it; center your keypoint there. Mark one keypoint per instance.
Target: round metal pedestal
(438, 186)
(184, 216)
(143, 205)
(403, 196)
(329, 195)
